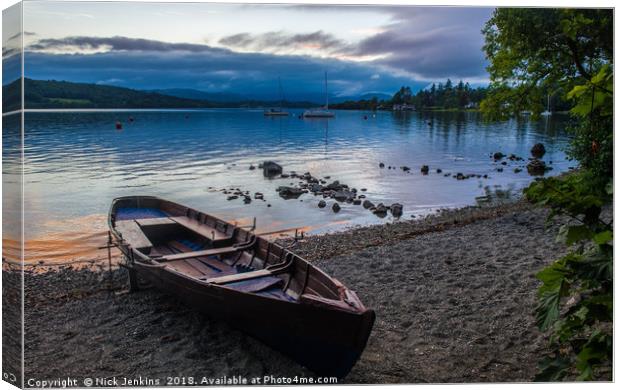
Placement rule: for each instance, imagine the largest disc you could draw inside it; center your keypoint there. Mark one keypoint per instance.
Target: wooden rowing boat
(230, 273)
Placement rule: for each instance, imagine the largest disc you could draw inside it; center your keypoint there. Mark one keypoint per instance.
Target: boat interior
(212, 251)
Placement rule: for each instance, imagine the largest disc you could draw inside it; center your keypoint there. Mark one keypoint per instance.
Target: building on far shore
(403, 107)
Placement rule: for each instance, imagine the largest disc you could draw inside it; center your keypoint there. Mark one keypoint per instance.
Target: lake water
(76, 163)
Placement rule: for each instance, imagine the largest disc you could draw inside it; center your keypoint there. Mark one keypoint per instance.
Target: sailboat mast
(326, 94)
(280, 92)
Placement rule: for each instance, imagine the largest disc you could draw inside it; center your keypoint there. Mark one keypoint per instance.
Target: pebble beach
(454, 295)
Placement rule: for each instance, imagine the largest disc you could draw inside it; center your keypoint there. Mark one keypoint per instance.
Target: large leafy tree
(537, 51)
(568, 53)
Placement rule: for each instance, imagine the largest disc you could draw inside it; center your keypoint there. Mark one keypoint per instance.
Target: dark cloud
(427, 42)
(249, 74)
(278, 40)
(82, 43)
(434, 54)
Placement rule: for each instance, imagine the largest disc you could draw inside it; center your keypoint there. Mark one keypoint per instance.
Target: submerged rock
(538, 150)
(336, 207)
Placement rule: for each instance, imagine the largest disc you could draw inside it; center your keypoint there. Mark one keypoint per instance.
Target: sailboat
(277, 111)
(321, 112)
(547, 112)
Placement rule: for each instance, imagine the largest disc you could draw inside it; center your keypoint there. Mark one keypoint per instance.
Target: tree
(534, 52)
(531, 50)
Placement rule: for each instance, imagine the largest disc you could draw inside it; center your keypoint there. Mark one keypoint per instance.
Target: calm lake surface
(76, 163)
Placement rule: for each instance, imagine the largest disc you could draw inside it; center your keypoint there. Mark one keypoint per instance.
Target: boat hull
(327, 341)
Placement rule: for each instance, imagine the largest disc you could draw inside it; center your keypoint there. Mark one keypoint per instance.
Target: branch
(572, 45)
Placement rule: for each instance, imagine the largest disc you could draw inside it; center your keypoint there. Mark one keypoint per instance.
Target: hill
(64, 94)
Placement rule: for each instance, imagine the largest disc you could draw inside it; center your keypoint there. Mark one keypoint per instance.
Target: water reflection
(76, 163)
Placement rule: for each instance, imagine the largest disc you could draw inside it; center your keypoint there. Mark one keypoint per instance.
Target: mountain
(188, 93)
(379, 95)
(64, 94)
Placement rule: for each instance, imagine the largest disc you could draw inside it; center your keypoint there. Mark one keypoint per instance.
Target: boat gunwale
(357, 308)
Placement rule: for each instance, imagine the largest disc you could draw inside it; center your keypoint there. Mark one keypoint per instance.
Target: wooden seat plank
(200, 228)
(155, 221)
(132, 234)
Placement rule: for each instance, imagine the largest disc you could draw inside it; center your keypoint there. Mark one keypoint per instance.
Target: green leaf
(552, 369)
(603, 237)
(548, 309)
(577, 233)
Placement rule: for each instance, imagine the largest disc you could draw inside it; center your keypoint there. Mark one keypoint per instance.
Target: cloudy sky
(244, 48)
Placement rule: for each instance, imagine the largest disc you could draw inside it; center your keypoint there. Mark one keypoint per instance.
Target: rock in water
(424, 169)
(316, 188)
(322, 204)
(536, 167)
(538, 150)
(336, 186)
(396, 209)
(380, 210)
(439, 170)
(405, 168)
(381, 165)
(252, 167)
(498, 155)
(336, 207)
(271, 169)
(290, 192)
(343, 196)
(367, 204)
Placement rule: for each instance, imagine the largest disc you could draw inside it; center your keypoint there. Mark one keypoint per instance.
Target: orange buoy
(119, 125)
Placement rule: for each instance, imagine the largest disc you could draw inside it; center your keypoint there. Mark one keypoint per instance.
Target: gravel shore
(454, 296)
